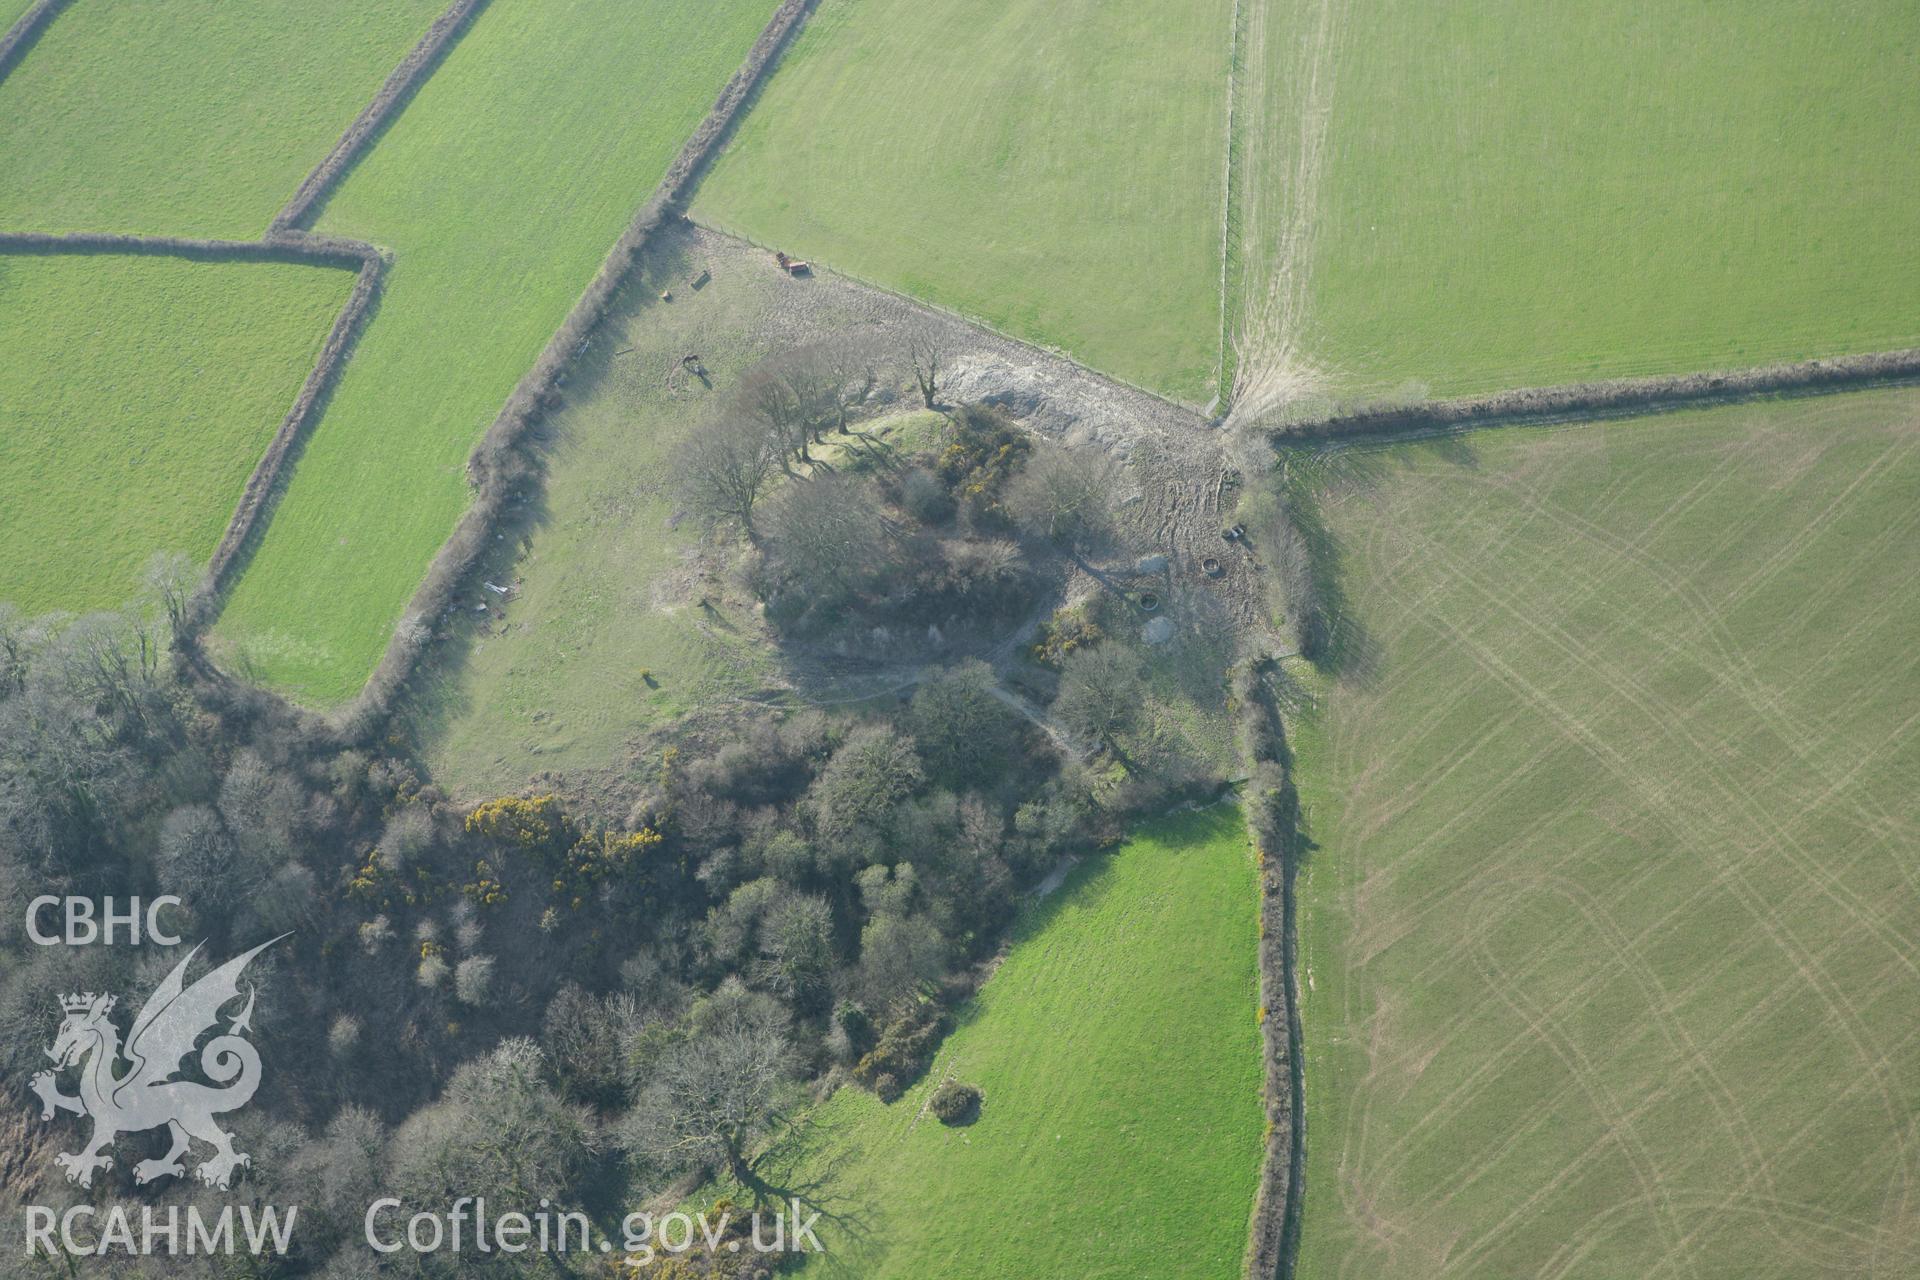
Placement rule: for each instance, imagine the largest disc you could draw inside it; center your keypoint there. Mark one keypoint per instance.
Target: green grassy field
(10, 12)
(500, 190)
(609, 582)
(1056, 170)
(136, 395)
(190, 117)
(1119, 1059)
(1499, 198)
(1611, 943)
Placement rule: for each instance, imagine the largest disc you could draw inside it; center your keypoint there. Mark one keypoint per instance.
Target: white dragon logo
(147, 1095)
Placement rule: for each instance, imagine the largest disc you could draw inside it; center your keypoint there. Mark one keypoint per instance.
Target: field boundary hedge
(1619, 397)
(284, 241)
(307, 250)
(398, 90)
(1272, 808)
(25, 31)
(501, 463)
(284, 233)
(263, 482)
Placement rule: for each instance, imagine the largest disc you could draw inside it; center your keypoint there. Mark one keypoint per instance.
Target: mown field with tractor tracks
(1608, 927)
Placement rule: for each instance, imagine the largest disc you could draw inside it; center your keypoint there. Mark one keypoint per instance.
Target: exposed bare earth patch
(1285, 109)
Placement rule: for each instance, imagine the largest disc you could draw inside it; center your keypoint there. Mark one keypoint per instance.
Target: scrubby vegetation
(898, 553)
(520, 997)
(1643, 190)
(954, 1102)
(1115, 1052)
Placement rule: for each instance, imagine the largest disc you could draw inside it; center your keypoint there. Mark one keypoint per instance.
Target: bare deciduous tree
(1063, 494)
(499, 1130)
(473, 980)
(1101, 692)
(198, 861)
(850, 367)
(960, 727)
(781, 411)
(14, 647)
(716, 1095)
(927, 354)
(898, 953)
(827, 533)
(874, 769)
(796, 948)
(726, 467)
(798, 397)
(169, 579)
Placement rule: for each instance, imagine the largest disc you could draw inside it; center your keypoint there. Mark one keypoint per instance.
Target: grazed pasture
(1441, 198)
(136, 395)
(500, 189)
(625, 615)
(1611, 941)
(1054, 169)
(1118, 1054)
(187, 117)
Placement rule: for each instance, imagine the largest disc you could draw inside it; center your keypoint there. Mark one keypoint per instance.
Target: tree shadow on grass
(808, 1166)
(436, 696)
(1313, 479)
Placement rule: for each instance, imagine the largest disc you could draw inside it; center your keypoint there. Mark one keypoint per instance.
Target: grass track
(1120, 1062)
(1610, 943)
(500, 189)
(136, 395)
(1633, 187)
(1054, 169)
(188, 117)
